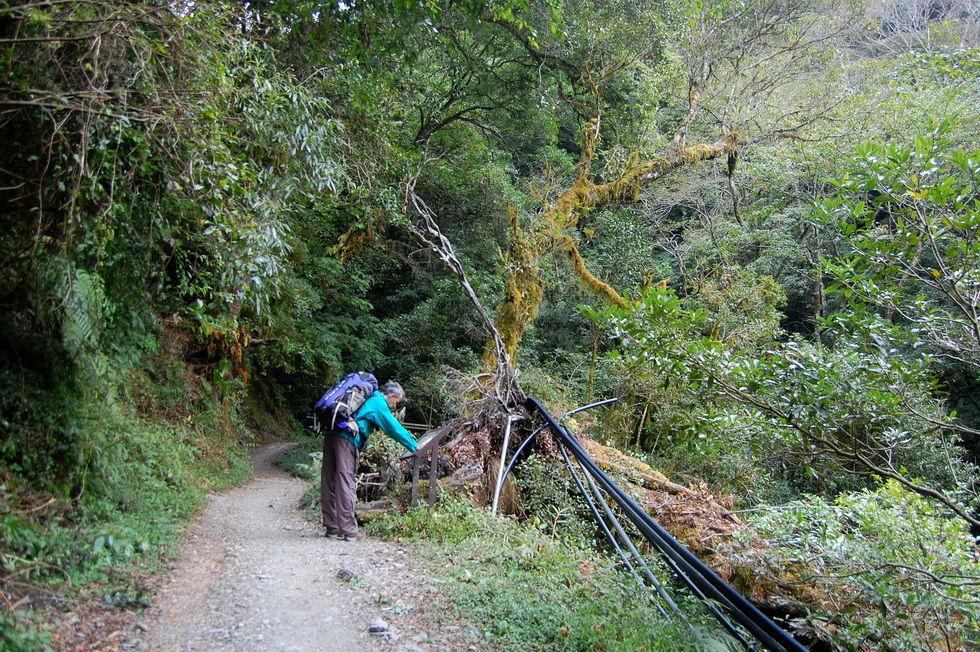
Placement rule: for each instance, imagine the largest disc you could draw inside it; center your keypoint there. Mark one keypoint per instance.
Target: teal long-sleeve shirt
(375, 414)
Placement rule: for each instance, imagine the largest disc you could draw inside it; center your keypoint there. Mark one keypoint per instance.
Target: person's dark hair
(391, 388)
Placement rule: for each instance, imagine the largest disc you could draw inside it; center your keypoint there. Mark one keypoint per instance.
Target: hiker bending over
(341, 448)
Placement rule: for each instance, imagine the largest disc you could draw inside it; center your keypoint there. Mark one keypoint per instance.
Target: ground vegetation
(753, 223)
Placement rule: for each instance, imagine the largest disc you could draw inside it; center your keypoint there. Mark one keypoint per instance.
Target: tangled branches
(498, 390)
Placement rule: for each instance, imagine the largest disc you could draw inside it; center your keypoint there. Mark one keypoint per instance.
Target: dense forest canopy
(756, 223)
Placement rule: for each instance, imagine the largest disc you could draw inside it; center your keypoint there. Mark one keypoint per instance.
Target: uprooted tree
(741, 68)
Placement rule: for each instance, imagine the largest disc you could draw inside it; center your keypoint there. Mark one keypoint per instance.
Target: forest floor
(254, 574)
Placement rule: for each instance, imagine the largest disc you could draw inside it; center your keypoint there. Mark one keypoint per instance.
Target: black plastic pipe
(689, 568)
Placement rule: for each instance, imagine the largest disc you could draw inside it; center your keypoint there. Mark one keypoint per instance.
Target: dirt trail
(254, 575)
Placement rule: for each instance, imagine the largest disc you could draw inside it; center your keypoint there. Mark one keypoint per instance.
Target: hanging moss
(525, 288)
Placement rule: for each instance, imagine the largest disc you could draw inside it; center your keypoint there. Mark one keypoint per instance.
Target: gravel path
(254, 575)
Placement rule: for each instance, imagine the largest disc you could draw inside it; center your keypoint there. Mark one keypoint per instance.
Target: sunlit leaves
(863, 406)
(909, 224)
(891, 549)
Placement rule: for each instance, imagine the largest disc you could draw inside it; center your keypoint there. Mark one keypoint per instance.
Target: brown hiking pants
(338, 493)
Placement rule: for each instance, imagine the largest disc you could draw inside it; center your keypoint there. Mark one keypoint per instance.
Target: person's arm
(395, 430)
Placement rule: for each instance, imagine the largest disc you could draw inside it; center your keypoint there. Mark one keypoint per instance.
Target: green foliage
(296, 460)
(152, 444)
(375, 29)
(237, 173)
(754, 59)
(905, 257)
(183, 156)
(194, 194)
(514, 588)
(19, 634)
(906, 574)
(434, 397)
(907, 224)
(944, 67)
(38, 426)
(821, 412)
(107, 552)
(739, 307)
(439, 329)
(675, 420)
(617, 248)
(303, 461)
(552, 502)
(544, 382)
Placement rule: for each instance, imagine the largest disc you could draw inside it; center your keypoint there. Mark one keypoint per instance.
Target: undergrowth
(153, 443)
(527, 584)
(903, 575)
(513, 587)
(297, 459)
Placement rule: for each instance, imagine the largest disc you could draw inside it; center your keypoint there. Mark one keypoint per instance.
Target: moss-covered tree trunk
(524, 289)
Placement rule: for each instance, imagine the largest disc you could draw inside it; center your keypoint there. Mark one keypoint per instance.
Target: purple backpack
(343, 400)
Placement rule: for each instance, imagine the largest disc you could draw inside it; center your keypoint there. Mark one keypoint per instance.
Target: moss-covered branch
(525, 287)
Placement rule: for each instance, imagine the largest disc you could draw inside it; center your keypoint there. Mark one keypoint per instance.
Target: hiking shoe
(330, 533)
(357, 536)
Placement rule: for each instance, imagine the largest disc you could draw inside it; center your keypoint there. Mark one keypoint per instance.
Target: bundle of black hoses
(698, 578)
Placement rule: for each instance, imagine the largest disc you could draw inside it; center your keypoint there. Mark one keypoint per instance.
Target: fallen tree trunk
(707, 526)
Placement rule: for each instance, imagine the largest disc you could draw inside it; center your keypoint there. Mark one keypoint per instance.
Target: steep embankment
(704, 524)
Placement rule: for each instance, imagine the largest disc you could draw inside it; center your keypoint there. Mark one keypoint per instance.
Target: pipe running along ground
(698, 578)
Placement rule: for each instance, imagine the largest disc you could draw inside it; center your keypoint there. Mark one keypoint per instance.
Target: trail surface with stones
(255, 575)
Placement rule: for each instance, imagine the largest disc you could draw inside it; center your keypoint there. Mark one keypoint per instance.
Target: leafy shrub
(300, 459)
(905, 576)
(38, 431)
(303, 461)
(19, 634)
(835, 414)
(158, 444)
(553, 502)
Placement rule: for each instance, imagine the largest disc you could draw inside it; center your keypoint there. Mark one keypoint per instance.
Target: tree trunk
(525, 287)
